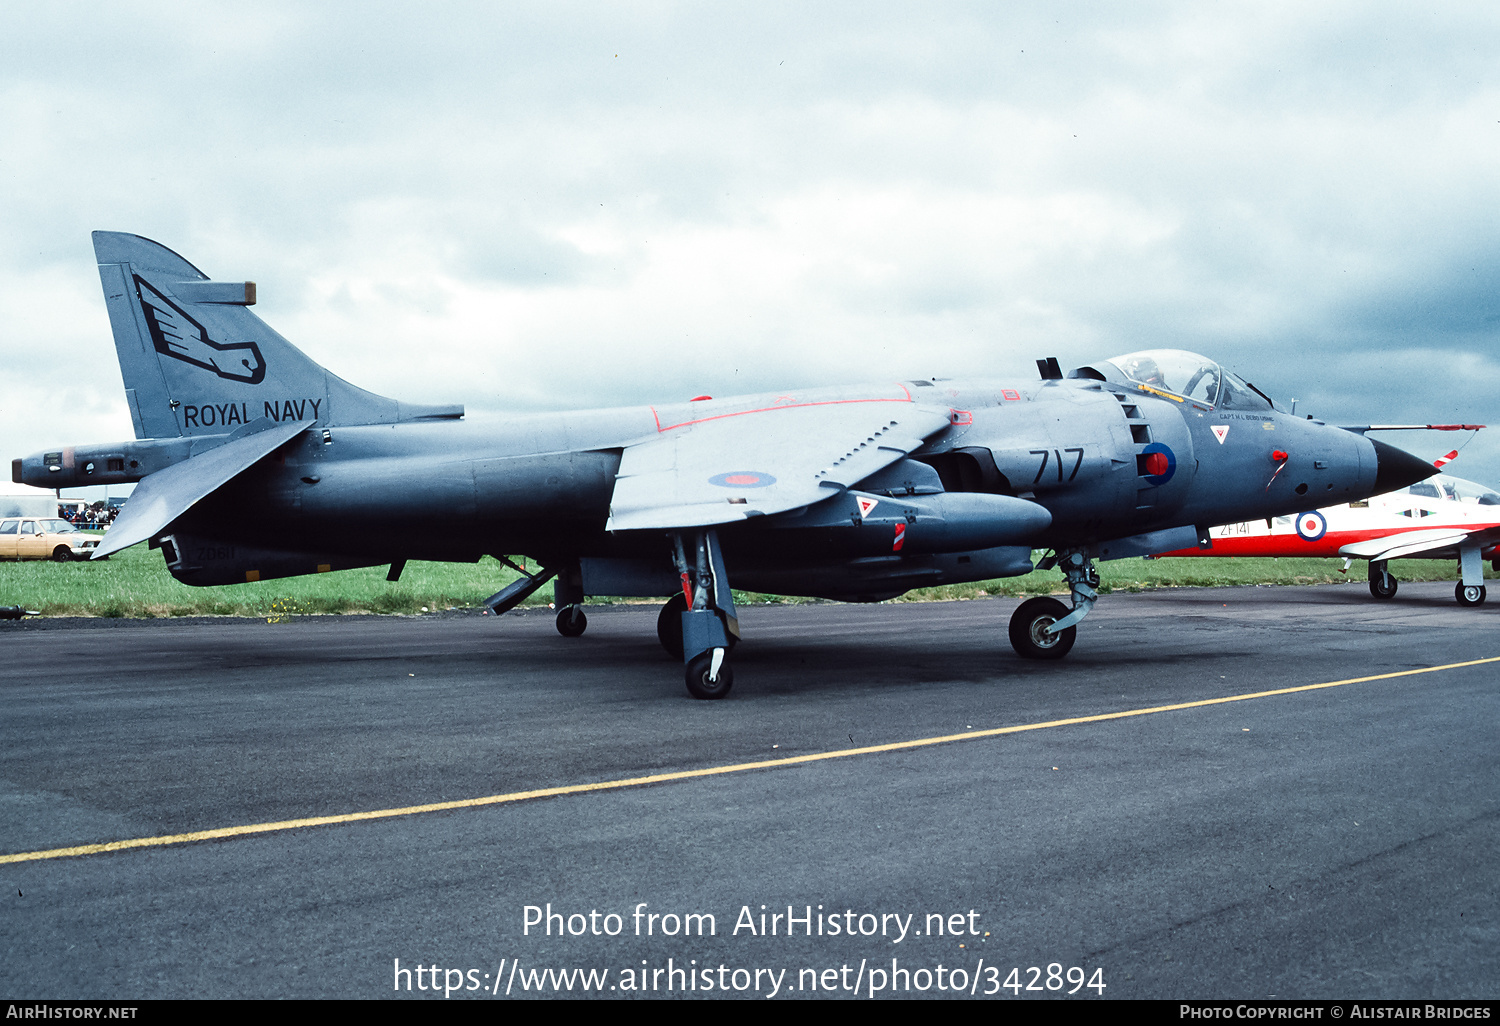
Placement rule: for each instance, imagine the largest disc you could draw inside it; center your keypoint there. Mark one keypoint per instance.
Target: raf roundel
(1311, 526)
(742, 479)
(1157, 463)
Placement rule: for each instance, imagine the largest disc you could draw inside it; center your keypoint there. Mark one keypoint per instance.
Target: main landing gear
(1044, 628)
(706, 623)
(1469, 592)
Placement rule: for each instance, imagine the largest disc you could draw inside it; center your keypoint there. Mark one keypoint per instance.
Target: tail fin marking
(187, 344)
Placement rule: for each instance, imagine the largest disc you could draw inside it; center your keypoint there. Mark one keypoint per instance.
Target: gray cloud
(567, 205)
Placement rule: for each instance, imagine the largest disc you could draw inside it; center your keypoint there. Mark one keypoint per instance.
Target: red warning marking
(900, 538)
(1442, 460)
(1221, 431)
(960, 417)
(1011, 394)
(745, 479)
(687, 590)
(865, 505)
(1279, 456)
(700, 398)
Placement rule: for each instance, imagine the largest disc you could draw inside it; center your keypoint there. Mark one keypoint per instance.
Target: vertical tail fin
(196, 361)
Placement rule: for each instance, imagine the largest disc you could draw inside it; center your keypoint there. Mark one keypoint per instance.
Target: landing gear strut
(669, 626)
(1044, 628)
(1470, 590)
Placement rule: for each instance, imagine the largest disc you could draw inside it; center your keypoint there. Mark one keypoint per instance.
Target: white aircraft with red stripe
(1440, 518)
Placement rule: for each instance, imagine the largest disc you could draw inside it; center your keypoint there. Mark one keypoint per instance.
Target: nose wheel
(1469, 594)
(1383, 583)
(1028, 629)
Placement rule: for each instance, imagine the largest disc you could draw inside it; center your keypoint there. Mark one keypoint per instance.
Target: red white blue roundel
(1158, 463)
(1311, 526)
(742, 479)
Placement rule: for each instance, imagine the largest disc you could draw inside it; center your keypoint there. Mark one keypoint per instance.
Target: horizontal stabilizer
(164, 496)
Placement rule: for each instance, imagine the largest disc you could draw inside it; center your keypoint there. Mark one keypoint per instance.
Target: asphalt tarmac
(1335, 842)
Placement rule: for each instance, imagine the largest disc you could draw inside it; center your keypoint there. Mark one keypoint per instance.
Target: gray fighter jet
(253, 463)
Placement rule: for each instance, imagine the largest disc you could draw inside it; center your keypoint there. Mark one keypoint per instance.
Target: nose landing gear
(1044, 628)
(1029, 625)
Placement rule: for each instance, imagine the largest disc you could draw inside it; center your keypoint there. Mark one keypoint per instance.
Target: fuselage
(1104, 459)
(1434, 509)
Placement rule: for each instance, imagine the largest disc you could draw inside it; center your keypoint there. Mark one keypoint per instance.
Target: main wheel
(571, 622)
(1469, 595)
(62, 554)
(1383, 586)
(669, 625)
(698, 683)
(1028, 629)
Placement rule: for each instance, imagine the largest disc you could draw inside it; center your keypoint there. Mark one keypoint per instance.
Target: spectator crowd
(96, 515)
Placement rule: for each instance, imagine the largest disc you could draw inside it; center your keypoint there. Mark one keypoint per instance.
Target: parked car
(36, 538)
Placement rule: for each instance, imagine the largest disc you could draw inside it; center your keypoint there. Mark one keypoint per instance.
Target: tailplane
(196, 361)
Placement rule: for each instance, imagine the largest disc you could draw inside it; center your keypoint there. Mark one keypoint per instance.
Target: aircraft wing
(758, 462)
(164, 496)
(1408, 543)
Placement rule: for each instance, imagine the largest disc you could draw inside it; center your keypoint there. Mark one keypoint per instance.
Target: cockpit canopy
(1455, 488)
(1182, 374)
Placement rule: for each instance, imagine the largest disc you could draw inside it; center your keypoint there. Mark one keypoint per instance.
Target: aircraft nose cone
(1396, 468)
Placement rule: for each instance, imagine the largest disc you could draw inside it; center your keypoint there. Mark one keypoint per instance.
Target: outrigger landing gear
(571, 622)
(1382, 583)
(567, 596)
(1044, 628)
(708, 622)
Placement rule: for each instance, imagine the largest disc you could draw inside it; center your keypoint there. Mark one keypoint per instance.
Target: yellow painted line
(711, 771)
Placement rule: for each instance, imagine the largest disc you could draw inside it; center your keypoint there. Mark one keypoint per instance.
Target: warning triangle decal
(865, 505)
(1219, 430)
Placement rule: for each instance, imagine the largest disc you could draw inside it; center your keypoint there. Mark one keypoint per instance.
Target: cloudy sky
(549, 206)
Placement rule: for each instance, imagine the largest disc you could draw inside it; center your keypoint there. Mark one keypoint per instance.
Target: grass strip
(135, 583)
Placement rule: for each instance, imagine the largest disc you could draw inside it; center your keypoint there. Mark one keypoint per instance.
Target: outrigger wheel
(1469, 594)
(1028, 629)
(571, 622)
